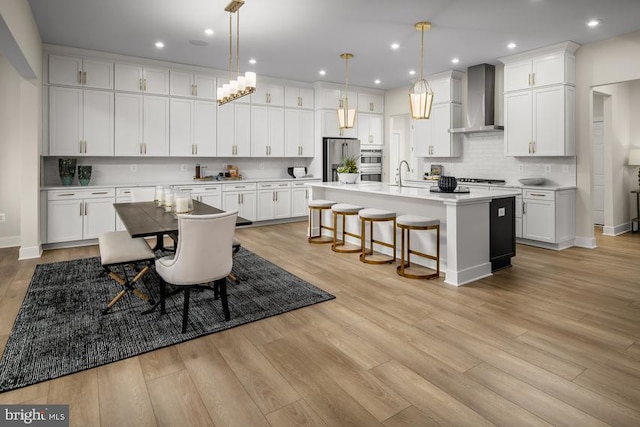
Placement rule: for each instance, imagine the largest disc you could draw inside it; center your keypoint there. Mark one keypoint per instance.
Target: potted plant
(348, 172)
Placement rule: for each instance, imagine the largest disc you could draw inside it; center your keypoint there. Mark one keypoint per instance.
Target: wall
(633, 177)
(610, 61)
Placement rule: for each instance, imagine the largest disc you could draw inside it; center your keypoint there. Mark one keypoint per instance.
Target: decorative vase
(348, 178)
(447, 183)
(67, 170)
(84, 175)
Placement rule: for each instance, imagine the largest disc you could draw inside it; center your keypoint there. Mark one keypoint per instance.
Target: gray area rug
(60, 329)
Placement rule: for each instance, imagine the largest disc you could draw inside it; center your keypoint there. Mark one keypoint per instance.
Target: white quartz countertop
(475, 194)
(552, 187)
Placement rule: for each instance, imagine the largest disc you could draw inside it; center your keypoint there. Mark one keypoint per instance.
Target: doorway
(598, 159)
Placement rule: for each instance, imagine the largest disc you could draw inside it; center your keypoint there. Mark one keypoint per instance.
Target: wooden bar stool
(344, 210)
(370, 216)
(320, 206)
(415, 222)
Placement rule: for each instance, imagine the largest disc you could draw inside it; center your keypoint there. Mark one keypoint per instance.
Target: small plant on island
(349, 165)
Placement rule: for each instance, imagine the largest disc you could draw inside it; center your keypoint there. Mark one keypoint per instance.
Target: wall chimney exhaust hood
(480, 100)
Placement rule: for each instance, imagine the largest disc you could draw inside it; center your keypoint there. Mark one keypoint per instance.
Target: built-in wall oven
(371, 164)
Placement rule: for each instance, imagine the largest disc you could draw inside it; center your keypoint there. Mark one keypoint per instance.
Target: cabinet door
(205, 86)
(65, 121)
(548, 70)
(307, 147)
(181, 84)
(292, 133)
(517, 75)
(242, 132)
(282, 206)
(444, 143)
(97, 74)
(549, 121)
(276, 131)
(248, 205)
(295, 97)
(370, 129)
(330, 99)
(368, 103)
(259, 131)
(231, 201)
(211, 200)
(156, 126)
(266, 205)
(128, 124)
(65, 70)
(64, 220)
(422, 137)
(156, 81)
(266, 94)
(204, 128)
(128, 77)
(306, 98)
(299, 202)
(181, 128)
(538, 220)
(98, 123)
(99, 217)
(225, 140)
(518, 124)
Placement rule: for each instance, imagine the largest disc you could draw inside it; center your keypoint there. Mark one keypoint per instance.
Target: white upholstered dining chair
(204, 255)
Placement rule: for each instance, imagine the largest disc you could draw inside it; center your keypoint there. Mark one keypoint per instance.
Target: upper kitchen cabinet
(192, 128)
(267, 131)
(431, 137)
(80, 122)
(539, 102)
(298, 133)
(268, 94)
(233, 133)
(298, 97)
(368, 103)
(542, 67)
(137, 78)
(192, 85)
(334, 98)
(370, 129)
(330, 126)
(446, 87)
(79, 71)
(141, 125)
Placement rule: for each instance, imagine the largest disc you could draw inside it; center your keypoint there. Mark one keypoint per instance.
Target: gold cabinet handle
(84, 78)
(66, 194)
(196, 145)
(97, 193)
(145, 85)
(140, 84)
(81, 209)
(196, 88)
(533, 79)
(537, 195)
(79, 77)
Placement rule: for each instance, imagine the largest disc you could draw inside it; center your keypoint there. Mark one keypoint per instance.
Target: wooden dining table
(145, 219)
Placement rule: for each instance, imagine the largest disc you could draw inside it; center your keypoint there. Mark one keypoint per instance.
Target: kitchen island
(465, 254)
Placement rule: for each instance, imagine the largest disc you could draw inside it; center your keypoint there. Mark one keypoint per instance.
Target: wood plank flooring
(555, 340)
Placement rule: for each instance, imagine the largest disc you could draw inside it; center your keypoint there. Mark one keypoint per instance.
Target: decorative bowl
(447, 183)
(348, 178)
(297, 171)
(532, 181)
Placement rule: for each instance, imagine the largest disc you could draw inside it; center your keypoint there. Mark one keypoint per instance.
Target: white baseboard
(462, 277)
(9, 242)
(616, 230)
(553, 246)
(30, 252)
(585, 242)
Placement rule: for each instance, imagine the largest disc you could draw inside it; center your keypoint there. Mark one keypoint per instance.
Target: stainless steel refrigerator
(333, 151)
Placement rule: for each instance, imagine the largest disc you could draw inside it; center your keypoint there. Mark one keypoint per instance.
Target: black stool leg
(185, 310)
(223, 296)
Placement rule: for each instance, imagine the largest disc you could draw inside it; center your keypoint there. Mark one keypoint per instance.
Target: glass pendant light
(421, 95)
(346, 115)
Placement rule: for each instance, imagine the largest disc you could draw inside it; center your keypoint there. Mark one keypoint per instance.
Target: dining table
(145, 219)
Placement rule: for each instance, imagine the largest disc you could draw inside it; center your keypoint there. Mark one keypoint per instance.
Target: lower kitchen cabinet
(274, 200)
(549, 216)
(240, 197)
(300, 199)
(208, 194)
(79, 214)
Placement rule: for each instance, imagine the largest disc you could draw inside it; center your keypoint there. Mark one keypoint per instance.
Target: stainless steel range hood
(480, 100)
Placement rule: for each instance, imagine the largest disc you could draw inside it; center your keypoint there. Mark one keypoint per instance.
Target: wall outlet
(3, 217)
(520, 168)
(134, 168)
(547, 168)
(565, 168)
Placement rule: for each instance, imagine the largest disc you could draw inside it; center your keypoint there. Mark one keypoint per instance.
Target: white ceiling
(294, 39)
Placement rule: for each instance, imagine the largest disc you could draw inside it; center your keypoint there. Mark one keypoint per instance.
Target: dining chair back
(204, 255)
(142, 194)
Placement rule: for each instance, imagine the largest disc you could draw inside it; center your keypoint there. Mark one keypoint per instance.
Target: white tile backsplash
(483, 157)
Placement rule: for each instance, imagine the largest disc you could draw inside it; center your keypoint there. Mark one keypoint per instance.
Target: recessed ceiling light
(208, 32)
(322, 72)
(593, 23)
(511, 45)
(252, 61)
(412, 72)
(455, 60)
(395, 46)
(159, 45)
(377, 81)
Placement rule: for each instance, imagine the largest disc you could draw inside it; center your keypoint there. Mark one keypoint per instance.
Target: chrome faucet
(400, 171)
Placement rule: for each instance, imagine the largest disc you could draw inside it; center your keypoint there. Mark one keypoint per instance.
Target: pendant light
(421, 95)
(346, 115)
(244, 84)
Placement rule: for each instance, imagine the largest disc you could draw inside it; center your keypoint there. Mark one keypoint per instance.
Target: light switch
(501, 211)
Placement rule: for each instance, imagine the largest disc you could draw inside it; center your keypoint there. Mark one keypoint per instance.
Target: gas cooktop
(482, 180)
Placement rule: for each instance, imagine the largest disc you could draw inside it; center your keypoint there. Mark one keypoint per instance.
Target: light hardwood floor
(555, 340)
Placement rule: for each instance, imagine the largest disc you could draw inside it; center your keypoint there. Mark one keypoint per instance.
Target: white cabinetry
(298, 133)
(274, 200)
(267, 131)
(370, 129)
(300, 198)
(234, 130)
(79, 71)
(330, 126)
(191, 85)
(268, 94)
(141, 125)
(80, 122)
(298, 97)
(79, 214)
(137, 78)
(123, 195)
(193, 128)
(368, 103)
(549, 216)
(539, 102)
(240, 197)
(209, 194)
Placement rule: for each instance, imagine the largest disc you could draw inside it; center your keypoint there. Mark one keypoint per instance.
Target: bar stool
(344, 210)
(376, 215)
(319, 205)
(415, 222)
